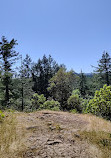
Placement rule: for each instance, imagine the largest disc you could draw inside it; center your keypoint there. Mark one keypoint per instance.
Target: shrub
(38, 100)
(28, 105)
(74, 102)
(101, 103)
(76, 91)
(85, 103)
(74, 111)
(2, 115)
(51, 105)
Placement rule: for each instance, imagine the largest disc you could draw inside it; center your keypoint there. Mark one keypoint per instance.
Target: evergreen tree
(43, 71)
(104, 68)
(25, 81)
(8, 57)
(83, 84)
(27, 66)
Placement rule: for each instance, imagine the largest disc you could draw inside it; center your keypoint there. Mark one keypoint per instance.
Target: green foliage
(26, 67)
(61, 86)
(43, 71)
(38, 100)
(94, 83)
(76, 91)
(104, 68)
(101, 103)
(28, 105)
(83, 84)
(8, 57)
(74, 102)
(74, 111)
(51, 105)
(15, 104)
(2, 115)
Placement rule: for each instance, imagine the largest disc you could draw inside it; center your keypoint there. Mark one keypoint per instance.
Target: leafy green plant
(76, 91)
(51, 105)
(101, 103)
(74, 111)
(85, 103)
(74, 102)
(2, 115)
(38, 100)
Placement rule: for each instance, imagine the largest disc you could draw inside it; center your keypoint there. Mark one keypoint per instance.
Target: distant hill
(86, 74)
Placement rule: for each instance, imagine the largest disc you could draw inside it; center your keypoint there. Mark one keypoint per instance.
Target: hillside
(55, 135)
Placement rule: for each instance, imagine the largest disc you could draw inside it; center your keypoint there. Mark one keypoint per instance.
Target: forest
(45, 84)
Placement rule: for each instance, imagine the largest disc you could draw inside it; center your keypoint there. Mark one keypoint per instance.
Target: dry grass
(96, 123)
(98, 133)
(11, 145)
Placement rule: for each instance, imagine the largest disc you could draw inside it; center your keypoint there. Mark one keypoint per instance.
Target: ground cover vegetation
(45, 84)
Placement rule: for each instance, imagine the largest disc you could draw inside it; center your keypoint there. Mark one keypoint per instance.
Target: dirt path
(55, 135)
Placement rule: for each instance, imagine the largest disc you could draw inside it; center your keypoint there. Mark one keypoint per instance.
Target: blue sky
(74, 32)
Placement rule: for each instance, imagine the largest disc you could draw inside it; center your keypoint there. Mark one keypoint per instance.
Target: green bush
(15, 104)
(28, 105)
(51, 105)
(76, 91)
(84, 104)
(74, 102)
(74, 111)
(38, 100)
(2, 115)
(101, 103)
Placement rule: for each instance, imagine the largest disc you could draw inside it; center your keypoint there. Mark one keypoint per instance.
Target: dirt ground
(55, 135)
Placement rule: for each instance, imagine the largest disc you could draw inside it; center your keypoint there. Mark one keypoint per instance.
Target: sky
(74, 32)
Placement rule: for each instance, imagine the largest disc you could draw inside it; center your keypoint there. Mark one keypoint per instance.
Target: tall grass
(10, 138)
(98, 133)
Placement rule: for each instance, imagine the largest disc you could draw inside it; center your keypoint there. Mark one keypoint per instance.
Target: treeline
(45, 84)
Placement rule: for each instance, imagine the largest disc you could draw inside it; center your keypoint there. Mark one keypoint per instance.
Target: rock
(54, 142)
(77, 135)
(32, 127)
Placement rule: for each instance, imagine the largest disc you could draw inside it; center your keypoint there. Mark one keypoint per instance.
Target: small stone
(54, 142)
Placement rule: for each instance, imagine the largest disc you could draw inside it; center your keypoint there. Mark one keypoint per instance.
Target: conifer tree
(8, 57)
(104, 67)
(43, 71)
(82, 84)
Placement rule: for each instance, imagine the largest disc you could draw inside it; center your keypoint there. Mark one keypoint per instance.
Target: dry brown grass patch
(11, 138)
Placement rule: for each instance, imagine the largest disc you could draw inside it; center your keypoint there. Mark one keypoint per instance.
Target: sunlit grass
(98, 133)
(10, 139)
(101, 140)
(95, 123)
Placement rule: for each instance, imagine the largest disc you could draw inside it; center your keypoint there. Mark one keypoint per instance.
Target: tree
(61, 86)
(94, 83)
(38, 100)
(74, 102)
(43, 71)
(101, 103)
(83, 84)
(104, 68)
(8, 57)
(25, 81)
(27, 67)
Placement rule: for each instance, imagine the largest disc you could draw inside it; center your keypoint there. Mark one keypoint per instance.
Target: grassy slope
(54, 134)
